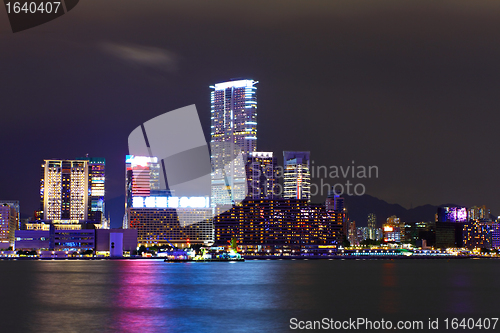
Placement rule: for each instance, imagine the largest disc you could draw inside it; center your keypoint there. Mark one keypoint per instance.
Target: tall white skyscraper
(233, 132)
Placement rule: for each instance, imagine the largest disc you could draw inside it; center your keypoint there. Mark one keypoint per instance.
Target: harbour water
(251, 296)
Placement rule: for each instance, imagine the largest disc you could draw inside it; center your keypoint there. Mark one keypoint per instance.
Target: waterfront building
(64, 190)
(415, 232)
(32, 239)
(233, 132)
(74, 237)
(495, 235)
(262, 175)
(97, 176)
(62, 235)
(392, 230)
(278, 225)
(296, 175)
(479, 234)
(449, 234)
(180, 227)
(159, 217)
(72, 190)
(9, 221)
(106, 241)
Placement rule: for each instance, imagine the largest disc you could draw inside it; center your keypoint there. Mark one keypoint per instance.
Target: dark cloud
(154, 57)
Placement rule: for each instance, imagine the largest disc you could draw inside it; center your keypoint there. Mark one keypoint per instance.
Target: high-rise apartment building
(9, 221)
(296, 175)
(97, 176)
(233, 131)
(262, 175)
(64, 190)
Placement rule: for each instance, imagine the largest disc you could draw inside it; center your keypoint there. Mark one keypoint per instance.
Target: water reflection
(153, 296)
(460, 292)
(137, 297)
(389, 302)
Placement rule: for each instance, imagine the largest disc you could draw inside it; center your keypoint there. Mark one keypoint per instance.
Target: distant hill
(360, 206)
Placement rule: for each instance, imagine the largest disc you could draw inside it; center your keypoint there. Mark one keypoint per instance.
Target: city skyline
(400, 99)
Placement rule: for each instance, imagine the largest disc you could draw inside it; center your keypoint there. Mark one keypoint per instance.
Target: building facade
(96, 188)
(296, 175)
(9, 221)
(452, 214)
(179, 227)
(159, 217)
(393, 230)
(64, 190)
(479, 234)
(279, 224)
(262, 175)
(233, 132)
(479, 213)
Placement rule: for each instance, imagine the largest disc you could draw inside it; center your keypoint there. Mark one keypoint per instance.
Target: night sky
(409, 86)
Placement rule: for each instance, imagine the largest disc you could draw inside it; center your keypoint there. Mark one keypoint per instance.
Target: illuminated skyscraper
(296, 174)
(262, 174)
(233, 130)
(64, 190)
(97, 176)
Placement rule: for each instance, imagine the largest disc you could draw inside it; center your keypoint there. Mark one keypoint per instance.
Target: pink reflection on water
(138, 301)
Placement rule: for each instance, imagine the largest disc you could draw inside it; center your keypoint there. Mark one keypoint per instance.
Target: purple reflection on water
(460, 293)
(138, 299)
